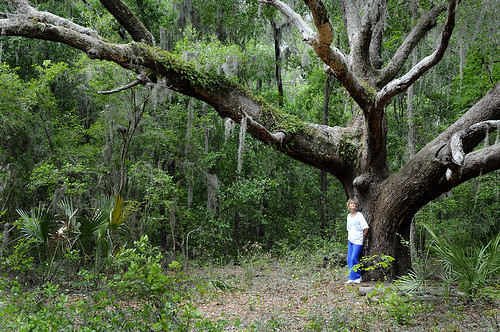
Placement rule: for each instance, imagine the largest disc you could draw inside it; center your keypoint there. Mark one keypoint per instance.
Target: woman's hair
(353, 200)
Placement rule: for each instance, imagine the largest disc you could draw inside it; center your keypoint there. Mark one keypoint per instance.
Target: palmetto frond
(472, 264)
(119, 212)
(97, 221)
(68, 212)
(37, 224)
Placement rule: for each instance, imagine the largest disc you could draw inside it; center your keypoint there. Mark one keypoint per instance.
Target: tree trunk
(173, 227)
(277, 35)
(410, 147)
(330, 79)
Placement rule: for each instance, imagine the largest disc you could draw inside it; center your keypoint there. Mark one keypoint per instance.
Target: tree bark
(410, 146)
(277, 36)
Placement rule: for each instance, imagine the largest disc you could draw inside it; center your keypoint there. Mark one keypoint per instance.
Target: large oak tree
(356, 154)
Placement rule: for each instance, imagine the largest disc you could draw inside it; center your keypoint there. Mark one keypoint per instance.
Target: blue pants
(353, 254)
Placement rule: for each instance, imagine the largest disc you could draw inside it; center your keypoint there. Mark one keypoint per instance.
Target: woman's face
(352, 206)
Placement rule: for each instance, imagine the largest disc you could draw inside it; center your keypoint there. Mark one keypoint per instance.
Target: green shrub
(473, 265)
(139, 296)
(400, 308)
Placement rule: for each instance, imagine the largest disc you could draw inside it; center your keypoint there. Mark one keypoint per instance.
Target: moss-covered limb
(178, 70)
(349, 149)
(184, 75)
(279, 120)
(316, 145)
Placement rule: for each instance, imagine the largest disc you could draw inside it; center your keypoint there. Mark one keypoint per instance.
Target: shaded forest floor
(274, 296)
(262, 294)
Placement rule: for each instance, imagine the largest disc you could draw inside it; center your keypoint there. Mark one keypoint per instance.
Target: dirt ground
(275, 297)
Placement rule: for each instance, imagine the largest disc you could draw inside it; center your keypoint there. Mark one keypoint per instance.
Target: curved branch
(453, 147)
(321, 43)
(481, 162)
(304, 29)
(401, 84)
(142, 78)
(120, 89)
(333, 57)
(129, 21)
(31, 23)
(315, 145)
(453, 154)
(22, 9)
(277, 137)
(418, 32)
(423, 178)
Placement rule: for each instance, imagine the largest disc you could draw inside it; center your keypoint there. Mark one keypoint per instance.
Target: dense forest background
(167, 166)
(191, 171)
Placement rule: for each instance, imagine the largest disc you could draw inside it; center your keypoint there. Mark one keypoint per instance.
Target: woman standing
(357, 228)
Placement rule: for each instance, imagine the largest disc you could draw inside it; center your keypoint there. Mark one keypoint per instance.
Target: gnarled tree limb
(453, 154)
(322, 46)
(313, 145)
(480, 162)
(23, 10)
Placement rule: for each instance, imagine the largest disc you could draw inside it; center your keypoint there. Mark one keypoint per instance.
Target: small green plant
(254, 302)
(471, 264)
(400, 308)
(20, 259)
(139, 272)
(369, 263)
(417, 279)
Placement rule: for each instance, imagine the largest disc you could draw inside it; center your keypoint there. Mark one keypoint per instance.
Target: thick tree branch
(375, 50)
(480, 162)
(129, 21)
(23, 10)
(322, 46)
(294, 18)
(351, 18)
(315, 145)
(423, 178)
(53, 28)
(418, 32)
(453, 149)
(453, 154)
(401, 84)
(361, 45)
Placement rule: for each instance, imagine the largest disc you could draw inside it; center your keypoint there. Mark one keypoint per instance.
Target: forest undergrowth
(299, 291)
